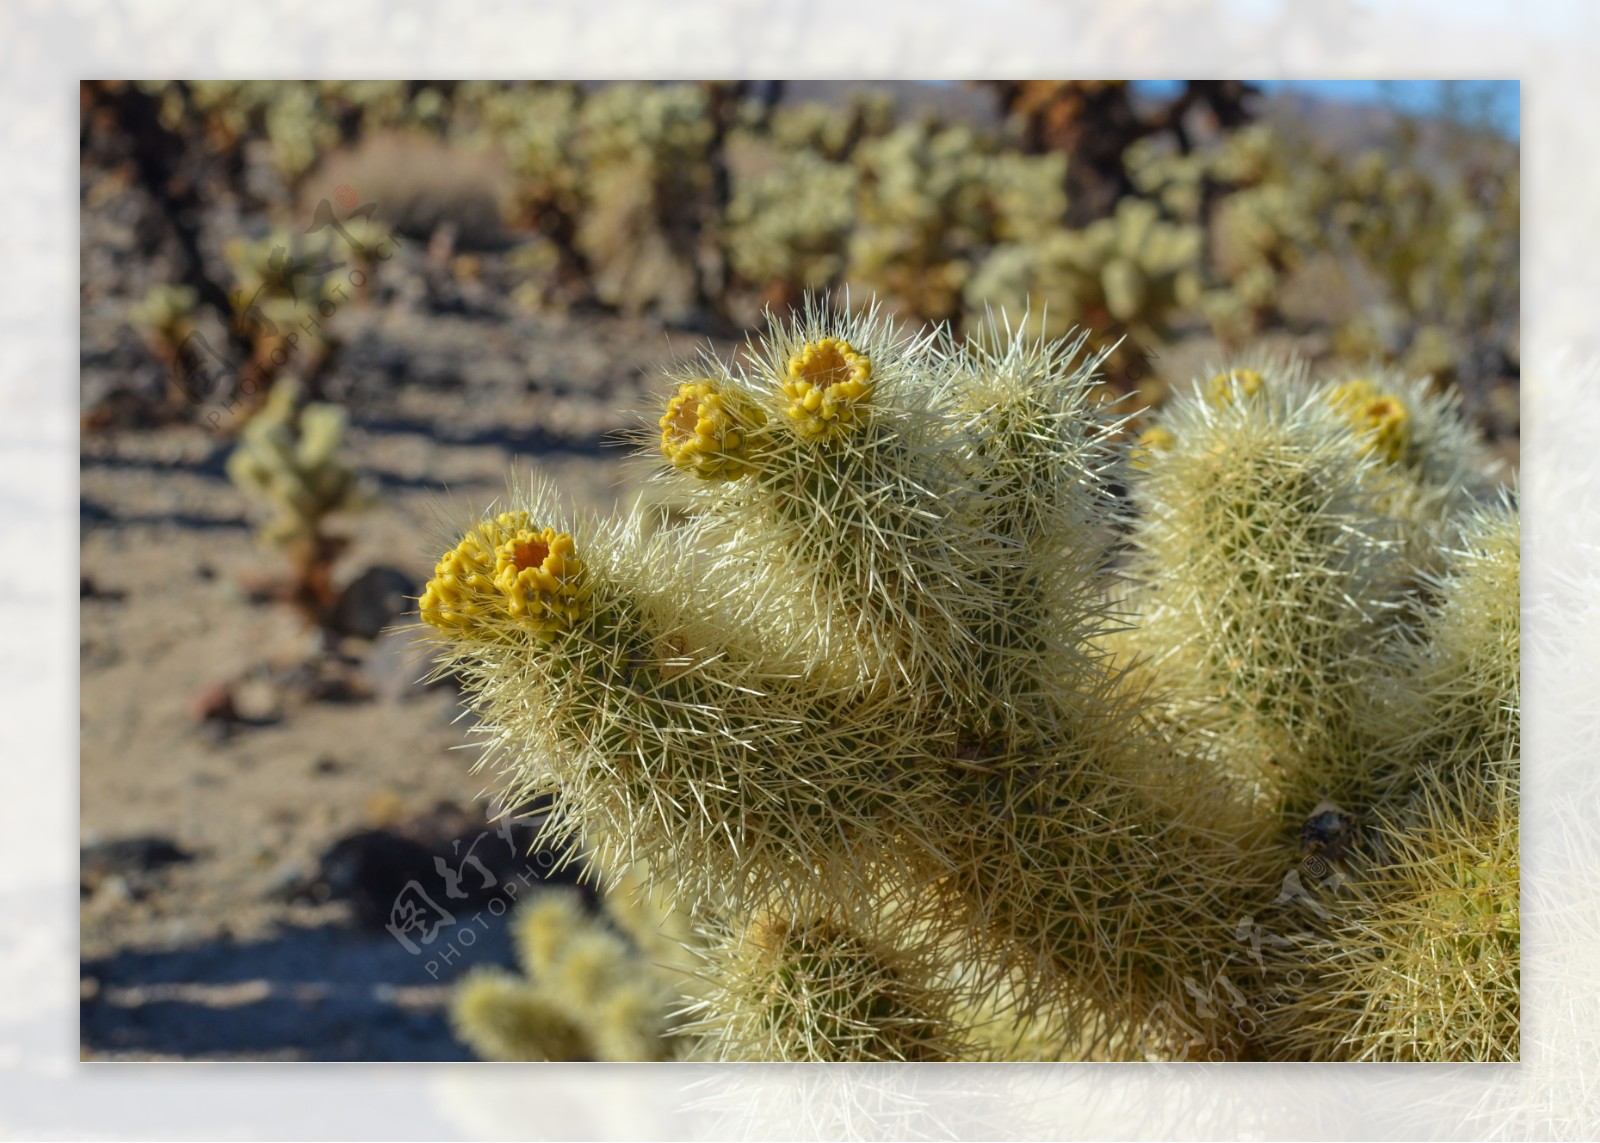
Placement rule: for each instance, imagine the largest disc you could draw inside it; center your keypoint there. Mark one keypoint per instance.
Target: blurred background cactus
(1126, 274)
(289, 461)
(1102, 206)
(587, 991)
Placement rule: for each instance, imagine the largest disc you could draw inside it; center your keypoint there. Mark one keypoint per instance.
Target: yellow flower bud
(1157, 438)
(1382, 419)
(503, 569)
(1222, 385)
(828, 383)
(706, 431)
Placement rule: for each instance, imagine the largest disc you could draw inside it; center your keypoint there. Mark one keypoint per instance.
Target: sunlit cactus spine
(1287, 530)
(1412, 951)
(618, 691)
(1453, 707)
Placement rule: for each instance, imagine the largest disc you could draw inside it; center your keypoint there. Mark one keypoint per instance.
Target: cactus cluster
(905, 213)
(620, 180)
(681, 197)
(288, 458)
(1134, 268)
(788, 226)
(1283, 533)
(282, 285)
(1415, 954)
(300, 121)
(945, 753)
(1438, 257)
(932, 201)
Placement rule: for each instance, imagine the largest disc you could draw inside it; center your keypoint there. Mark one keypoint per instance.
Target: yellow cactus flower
(706, 431)
(827, 385)
(1381, 418)
(503, 569)
(1222, 385)
(1157, 438)
(1351, 396)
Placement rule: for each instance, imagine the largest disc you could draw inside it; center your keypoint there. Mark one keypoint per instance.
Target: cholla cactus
(864, 716)
(1454, 696)
(645, 152)
(788, 226)
(586, 993)
(1263, 577)
(1285, 527)
(288, 459)
(166, 316)
(932, 200)
(808, 985)
(1134, 268)
(1415, 953)
(279, 282)
(832, 132)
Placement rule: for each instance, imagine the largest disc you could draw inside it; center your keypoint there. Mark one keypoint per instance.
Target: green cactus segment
(501, 1018)
(849, 507)
(1417, 956)
(1264, 581)
(1035, 450)
(1101, 875)
(1455, 698)
(662, 736)
(810, 987)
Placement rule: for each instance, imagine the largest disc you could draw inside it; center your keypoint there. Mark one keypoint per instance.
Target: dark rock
(370, 869)
(445, 861)
(325, 678)
(373, 600)
(126, 863)
(88, 589)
